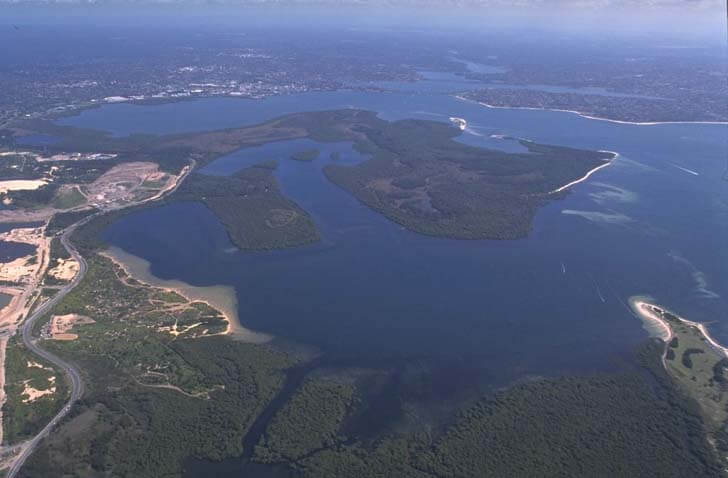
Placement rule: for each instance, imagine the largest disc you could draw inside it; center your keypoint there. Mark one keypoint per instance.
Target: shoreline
(588, 174)
(588, 115)
(219, 297)
(642, 307)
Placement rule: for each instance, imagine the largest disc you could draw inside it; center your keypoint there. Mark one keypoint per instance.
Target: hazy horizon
(704, 19)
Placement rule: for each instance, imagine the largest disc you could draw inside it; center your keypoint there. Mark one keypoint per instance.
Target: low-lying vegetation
(421, 178)
(153, 398)
(620, 425)
(250, 204)
(35, 391)
(309, 422)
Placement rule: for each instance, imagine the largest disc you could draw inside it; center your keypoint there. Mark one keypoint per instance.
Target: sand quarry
(65, 270)
(21, 184)
(126, 182)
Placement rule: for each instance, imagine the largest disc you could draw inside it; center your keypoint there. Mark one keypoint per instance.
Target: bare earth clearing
(61, 325)
(125, 184)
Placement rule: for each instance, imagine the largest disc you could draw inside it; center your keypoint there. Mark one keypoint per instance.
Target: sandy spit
(220, 297)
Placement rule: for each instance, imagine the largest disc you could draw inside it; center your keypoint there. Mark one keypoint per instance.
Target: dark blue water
(9, 251)
(373, 291)
(37, 140)
(9, 226)
(5, 300)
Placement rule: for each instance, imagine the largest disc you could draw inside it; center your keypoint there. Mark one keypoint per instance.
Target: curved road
(70, 370)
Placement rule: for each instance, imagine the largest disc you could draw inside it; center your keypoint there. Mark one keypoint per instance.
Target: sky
(582, 4)
(690, 18)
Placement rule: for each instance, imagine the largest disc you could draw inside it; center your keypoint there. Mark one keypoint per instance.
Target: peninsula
(694, 360)
(417, 175)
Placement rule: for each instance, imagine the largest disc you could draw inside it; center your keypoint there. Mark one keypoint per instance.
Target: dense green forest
(309, 422)
(250, 204)
(123, 429)
(628, 424)
(423, 179)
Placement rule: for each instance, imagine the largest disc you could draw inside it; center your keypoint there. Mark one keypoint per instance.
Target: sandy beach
(219, 297)
(589, 173)
(645, 310)
(21, 184)
(655, 325)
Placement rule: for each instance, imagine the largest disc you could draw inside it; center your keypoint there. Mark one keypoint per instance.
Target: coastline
(588, 174)
(218, 297)
(587, 115)
(645, 310)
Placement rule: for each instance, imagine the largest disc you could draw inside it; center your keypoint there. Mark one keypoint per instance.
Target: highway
(27, 329)
(71, 371)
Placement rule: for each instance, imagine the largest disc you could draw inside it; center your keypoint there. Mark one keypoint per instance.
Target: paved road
(70, 370)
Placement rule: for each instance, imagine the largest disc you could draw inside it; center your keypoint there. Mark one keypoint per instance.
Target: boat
(459, 122)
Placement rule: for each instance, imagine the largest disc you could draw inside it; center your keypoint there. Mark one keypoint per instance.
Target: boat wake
(689, 171)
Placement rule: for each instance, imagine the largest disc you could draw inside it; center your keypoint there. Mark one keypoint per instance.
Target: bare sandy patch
(23, 269)
(24, 273)
(65, 337)
(654, 324)
(119, 182)
(18, 270)
(74, 157)
(60, 325)
(21, 185)
(176, 330)
(34, 394)
(32, 364)
(65, 270)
